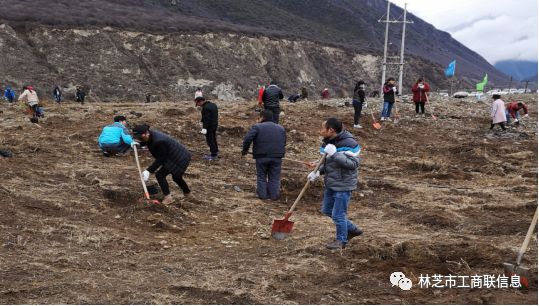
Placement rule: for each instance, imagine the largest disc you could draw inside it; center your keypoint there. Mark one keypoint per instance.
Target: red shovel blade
(281, 228)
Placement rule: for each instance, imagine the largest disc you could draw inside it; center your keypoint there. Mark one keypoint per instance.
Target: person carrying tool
(271, 99)
(115, 138)
(340, 178)
(390, 91)
(512, 111)
(420, 89)
(269, 141)
(33, 101)
(171, 157)
(358, 98)
(497, 114)
(210, 117)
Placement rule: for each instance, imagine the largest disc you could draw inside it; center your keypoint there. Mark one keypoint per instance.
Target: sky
(496, 29)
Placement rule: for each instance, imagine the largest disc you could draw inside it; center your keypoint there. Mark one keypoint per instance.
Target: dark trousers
(33, 109)
(161, 176)
(114, 148)
(58, 99)
(420, 105)
(502, 124)
(276, 110)
(358, 106)
(268, 177)
(211, 140)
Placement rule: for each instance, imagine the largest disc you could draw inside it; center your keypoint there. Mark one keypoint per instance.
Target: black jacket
(272, 95)
(359, 93)
(269, 140)
(210, 116)
(168, 152)
(389, 95)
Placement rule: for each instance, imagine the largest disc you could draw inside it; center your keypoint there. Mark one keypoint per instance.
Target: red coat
(512, 109)
(420, 95)
(260, 94)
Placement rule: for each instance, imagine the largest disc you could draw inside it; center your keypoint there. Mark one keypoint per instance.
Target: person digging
(340, 178)
(171, 157)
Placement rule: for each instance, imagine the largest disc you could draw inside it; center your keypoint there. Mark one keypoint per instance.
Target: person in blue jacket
(340, 178)
(115, 137)
(9, 94)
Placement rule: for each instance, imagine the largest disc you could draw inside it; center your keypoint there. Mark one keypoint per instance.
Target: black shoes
(353, 234)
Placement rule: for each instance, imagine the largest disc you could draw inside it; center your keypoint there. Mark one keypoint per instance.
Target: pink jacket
(498, 112)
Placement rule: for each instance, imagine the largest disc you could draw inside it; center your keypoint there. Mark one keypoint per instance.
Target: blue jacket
(269, 140)
(9, 93)
(115, 133)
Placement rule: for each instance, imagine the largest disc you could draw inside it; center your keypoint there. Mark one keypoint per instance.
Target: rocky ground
(444, 196)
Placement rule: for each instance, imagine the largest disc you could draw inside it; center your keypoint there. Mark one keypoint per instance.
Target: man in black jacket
(272, 95)
(210, 117)
(269, 147)
(171, 157)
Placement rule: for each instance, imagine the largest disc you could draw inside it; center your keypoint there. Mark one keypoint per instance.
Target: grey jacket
(272, 95)
(269, 140)
(340, 170)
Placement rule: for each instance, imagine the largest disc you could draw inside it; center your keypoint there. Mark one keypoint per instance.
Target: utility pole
(400, 58)
(401, 65)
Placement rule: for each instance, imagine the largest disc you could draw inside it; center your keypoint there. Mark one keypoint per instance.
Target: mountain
(312, 43)
(519, 70)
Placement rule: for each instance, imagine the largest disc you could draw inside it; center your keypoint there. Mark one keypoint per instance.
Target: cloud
(496, 29)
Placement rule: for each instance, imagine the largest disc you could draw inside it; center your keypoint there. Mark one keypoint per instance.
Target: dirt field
(446, 196)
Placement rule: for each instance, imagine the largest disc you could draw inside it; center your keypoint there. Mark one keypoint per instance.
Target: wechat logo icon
(400, 280)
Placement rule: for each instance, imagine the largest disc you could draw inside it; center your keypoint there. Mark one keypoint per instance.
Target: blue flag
(450, 70)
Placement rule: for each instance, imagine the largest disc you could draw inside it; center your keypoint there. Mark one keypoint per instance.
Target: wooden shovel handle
(305, 187)
(527, 239)
(146, 194)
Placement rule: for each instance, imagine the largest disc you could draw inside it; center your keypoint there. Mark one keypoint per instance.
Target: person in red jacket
(260, 95)
(512, 111)
(325, 94)
(420, 89)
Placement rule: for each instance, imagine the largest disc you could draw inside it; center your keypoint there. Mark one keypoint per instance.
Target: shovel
(281, 228)
(430, 107)
(146, 193)
(522, 272)
(375, 124)
(397, 115)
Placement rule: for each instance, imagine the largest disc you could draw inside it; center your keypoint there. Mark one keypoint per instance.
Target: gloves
(135, 143)
(203, 131)
(243, 153)
(525, 116)
(330, 149)
(145, 175)
(394, 89)
(313, 176)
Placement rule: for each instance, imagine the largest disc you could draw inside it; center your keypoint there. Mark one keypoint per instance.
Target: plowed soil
(446, 196)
